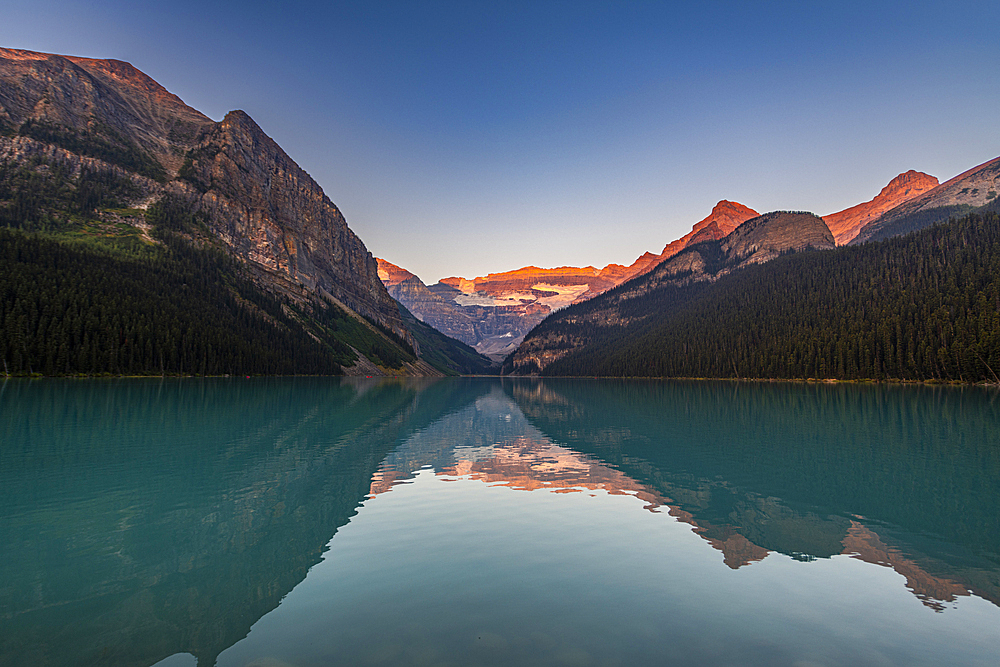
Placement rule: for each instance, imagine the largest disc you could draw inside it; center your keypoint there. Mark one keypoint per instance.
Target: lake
(275, 522)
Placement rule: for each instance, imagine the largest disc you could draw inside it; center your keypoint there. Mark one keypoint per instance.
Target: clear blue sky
(461, 138)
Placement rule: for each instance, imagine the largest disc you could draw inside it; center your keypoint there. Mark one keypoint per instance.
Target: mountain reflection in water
(143, 519)
(668, 443)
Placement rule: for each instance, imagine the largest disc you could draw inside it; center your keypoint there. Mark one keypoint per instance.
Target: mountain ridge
(755, 241)
(107, 144)
(920, 307)
(846, 224)
(493, 313)
(975, 188)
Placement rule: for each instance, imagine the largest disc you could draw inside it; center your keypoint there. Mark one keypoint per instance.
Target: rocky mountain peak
(907, 184)
(727, 215)
(125, 108)
(846, 224)
(262, 207)
(724, 218)
(126, 76)
(757, 240)
(971, 189)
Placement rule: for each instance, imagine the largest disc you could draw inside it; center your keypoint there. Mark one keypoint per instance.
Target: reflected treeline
(142, 518)
(901, 476)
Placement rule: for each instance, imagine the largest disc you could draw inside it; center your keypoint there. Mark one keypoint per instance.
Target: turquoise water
(304, 522)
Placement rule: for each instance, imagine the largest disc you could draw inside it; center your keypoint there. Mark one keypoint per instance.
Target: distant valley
(493, 313)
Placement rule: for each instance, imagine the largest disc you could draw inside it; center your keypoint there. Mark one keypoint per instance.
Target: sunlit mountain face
(846, 224)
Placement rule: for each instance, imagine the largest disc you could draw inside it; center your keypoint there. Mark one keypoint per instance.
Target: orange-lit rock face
(724, 218)
(390, 274)
(461, 284)
(507, 283)
(846, 224)
(973, 188)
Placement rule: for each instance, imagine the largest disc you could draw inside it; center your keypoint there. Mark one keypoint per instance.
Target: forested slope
(88, 296)
(925, 306)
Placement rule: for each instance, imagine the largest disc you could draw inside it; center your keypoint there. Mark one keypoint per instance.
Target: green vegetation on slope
(77, 308)
(103, 143)
(83, 293)
(920, 307)
(43, 196)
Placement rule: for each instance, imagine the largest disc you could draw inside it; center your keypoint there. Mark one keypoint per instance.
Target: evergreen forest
(83, 291)
(920, 307)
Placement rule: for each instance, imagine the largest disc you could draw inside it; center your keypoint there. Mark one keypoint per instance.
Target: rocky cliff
(846, 224)
(494, 326)
(427, 306)
(268, 211)
(107, 116)
(757, 240)
(120, 108)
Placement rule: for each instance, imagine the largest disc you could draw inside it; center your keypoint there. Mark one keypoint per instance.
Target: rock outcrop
(269, 211)
(757, 240)
(493, 326)
(846, 224)
(427, 306)
(724, 218)
(111, 99)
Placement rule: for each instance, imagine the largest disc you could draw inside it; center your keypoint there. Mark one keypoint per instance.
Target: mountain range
(140, 236)
(919, 307)
(806, 316)
(494, 313)
(974, 189)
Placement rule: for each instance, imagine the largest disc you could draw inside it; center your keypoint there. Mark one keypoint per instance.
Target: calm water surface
(301, 522)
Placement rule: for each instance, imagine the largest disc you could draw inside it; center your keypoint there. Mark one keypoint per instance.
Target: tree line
(925, 306)
(122, 307)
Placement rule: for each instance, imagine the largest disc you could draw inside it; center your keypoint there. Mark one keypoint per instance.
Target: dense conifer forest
(82, 292)
(925, 306)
